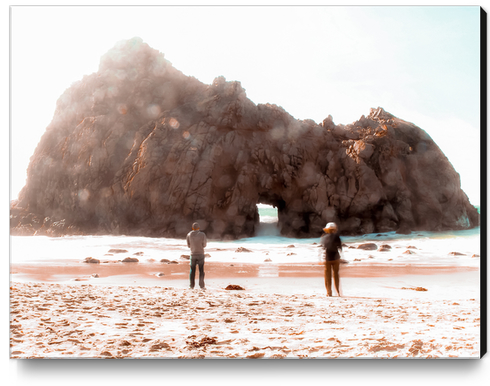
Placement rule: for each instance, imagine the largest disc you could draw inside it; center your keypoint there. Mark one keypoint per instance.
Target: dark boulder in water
(368, 246)
(456, 254)
(139, 148)
(117, 250)
(242, 249)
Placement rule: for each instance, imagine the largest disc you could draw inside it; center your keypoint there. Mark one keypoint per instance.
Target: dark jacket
(331, 242)
(196, 241)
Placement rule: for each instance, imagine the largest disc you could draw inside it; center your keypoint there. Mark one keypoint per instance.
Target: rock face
(138, 148)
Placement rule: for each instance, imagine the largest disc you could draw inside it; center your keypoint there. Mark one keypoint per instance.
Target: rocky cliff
(138, 148)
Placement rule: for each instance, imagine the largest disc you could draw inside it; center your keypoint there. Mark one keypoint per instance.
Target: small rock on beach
(234, 287)
(167, 261)
(91, 260)
(130, 260)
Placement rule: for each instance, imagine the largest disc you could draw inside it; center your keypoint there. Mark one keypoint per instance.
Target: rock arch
(156, 151)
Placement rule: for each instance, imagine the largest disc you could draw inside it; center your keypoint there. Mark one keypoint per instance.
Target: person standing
(332, 244)
(196, 241)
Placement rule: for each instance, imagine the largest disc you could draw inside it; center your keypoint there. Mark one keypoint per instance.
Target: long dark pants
(199, 260)
(332, 266)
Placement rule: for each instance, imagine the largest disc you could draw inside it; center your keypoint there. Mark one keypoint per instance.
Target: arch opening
(268, 221)
(269, 210)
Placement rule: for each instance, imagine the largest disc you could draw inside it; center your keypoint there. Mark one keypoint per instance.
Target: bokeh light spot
(174, 123)
(83, 194)
(122, 109)
(153, 111)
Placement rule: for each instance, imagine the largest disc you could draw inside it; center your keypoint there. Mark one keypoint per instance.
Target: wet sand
(157, 272)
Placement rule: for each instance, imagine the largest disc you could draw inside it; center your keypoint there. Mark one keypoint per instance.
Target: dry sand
(62, 311)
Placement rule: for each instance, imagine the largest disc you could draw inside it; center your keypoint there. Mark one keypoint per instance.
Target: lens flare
(153, 111)
(174, 123)
(83, 194)
(122, 109)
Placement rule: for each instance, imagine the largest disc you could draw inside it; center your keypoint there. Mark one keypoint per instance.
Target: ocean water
(426, 248)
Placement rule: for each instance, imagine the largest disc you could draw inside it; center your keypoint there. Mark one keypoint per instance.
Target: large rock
(139, 148)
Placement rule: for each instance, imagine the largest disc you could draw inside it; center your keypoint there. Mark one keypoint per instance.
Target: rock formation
(139, 148)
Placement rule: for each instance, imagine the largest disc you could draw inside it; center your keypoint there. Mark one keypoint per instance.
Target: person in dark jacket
(196, 241)
(332, 244)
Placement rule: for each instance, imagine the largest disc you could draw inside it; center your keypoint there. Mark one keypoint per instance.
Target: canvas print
(246, 182)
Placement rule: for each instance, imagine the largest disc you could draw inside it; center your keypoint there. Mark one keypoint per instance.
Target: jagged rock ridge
(138, 148)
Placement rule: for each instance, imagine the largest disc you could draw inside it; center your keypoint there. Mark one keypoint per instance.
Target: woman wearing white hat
(332, 244)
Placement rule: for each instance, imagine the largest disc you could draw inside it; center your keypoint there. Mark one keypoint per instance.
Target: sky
(420, 63)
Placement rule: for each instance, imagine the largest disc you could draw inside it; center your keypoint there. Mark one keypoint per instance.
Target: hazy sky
(421, 64)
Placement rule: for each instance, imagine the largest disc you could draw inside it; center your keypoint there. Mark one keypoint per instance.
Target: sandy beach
(145, 310)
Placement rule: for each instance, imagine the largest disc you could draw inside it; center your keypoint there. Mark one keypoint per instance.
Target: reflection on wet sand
(161, 272)
(267, 270)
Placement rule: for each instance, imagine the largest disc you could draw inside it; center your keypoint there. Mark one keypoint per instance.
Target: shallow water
(431, 248)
